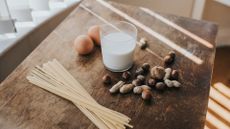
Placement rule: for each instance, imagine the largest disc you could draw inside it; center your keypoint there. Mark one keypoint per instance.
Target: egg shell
(94, 34)
(83, 45)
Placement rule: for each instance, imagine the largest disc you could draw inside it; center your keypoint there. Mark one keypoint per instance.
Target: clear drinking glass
(118, 42)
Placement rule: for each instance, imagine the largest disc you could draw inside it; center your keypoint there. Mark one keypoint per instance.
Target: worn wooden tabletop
(25, 106)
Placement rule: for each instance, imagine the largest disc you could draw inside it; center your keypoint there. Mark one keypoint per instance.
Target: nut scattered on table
(126, 75)
(169, 58)
(146, 95)
(151, 82)
(107, 79)
(168, 83)
(172, 54)
(143, 43)
(145, 87)
(139, 71)
(136, 82)
(160, 86)
(145, 67)
(161, 78)
(167, 73)
(175, 74)
(137, 90)
(157, 72)
(126, 88)
(141, 78)
(115, 88)
(176, 83)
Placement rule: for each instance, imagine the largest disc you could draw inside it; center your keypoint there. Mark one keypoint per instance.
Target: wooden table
(25, 106)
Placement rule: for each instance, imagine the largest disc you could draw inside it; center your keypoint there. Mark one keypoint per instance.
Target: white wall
(3, 9)
(178, 7)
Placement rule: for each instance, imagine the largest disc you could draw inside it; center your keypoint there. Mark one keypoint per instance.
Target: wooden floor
(218, 115)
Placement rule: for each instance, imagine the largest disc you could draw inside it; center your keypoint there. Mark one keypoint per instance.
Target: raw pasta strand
(53, 77)
(51, 81)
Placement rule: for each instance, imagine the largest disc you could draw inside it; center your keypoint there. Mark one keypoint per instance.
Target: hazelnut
(143, 43)
(143, 40)
(172, 54)
(139, 71)
(136, 82)
(137, 90)
(107, 79)
(175, 75)
(126, 75)
(160, 86)
(141, 78)
(157, 72)
(146, 95)
(146, 67)
(145, 87)
(168, 60)
(151, 82)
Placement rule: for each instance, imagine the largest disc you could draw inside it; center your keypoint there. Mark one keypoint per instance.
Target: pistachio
(168, 82)
(167, 73)
(176, 83)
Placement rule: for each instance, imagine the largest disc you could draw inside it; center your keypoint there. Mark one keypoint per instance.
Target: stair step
(23, 27)
(39, 4)
(6, 26)
(40, 16)
(21, 14)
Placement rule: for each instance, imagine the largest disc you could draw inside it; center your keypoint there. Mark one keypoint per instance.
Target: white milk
(117, 51)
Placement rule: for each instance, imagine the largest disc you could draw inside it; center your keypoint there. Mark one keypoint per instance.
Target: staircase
(19, 17)
(218, 115)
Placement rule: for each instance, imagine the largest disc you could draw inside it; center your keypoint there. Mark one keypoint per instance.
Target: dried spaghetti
(52, 76)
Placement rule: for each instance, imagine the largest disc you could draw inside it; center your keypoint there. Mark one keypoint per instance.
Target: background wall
(211, 11)
(178, 7)
(220, 14)
(17, 53)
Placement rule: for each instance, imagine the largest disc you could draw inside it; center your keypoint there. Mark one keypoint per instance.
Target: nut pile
(160, 79)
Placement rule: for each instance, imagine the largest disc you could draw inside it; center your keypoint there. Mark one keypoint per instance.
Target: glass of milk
(118, 42)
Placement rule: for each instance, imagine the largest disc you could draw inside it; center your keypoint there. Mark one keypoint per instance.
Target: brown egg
(94, 33)
(83, 44)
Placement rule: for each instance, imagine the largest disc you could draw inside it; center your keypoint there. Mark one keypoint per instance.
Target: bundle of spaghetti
(53, 77)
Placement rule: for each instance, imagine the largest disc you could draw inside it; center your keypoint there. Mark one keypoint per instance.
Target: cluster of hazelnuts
(160, 79)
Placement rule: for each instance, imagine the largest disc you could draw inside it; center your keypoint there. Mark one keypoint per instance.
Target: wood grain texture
(25, 106)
